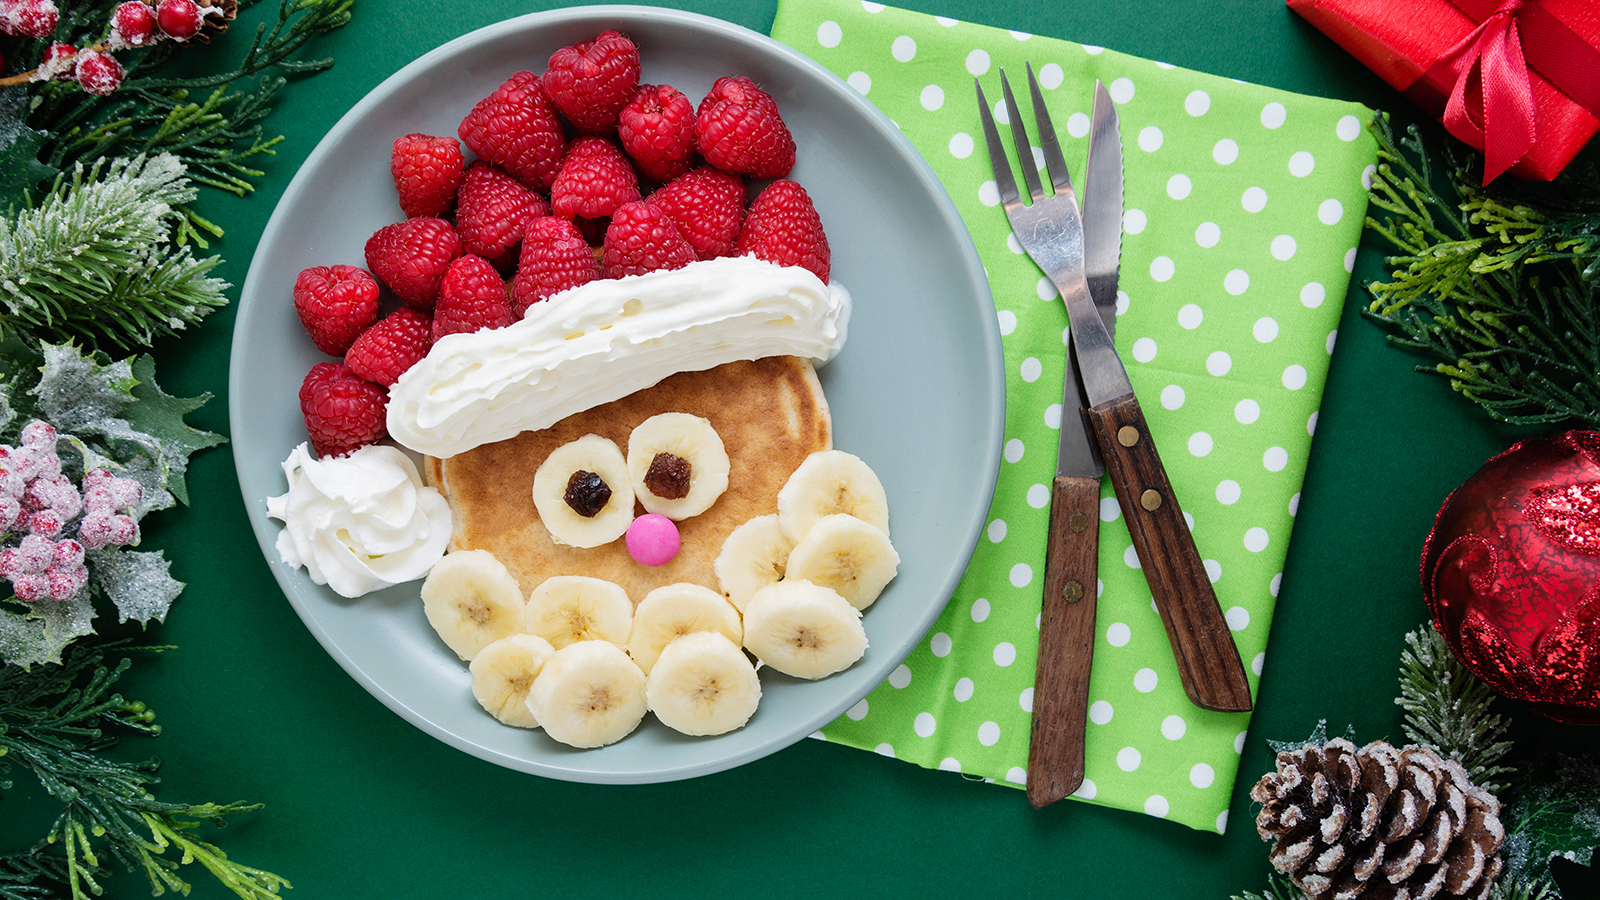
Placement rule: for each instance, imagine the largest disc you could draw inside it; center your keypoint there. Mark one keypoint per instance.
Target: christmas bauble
(1511, 573)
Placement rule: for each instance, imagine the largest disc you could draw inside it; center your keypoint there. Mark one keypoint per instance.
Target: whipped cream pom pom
(360, 522)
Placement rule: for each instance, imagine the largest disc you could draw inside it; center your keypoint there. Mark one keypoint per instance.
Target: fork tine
(997, 152)
(1019, 133)
(1048, 142)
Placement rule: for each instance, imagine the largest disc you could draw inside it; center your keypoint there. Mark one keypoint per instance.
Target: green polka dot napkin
(1243, 208)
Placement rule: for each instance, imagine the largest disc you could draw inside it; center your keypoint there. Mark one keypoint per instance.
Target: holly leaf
(136, 582)
(1554, 811)
(37, 632)
(160, 415)
(20, 168)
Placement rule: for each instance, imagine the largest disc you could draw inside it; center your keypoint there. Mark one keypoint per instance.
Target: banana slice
(471, 601)
(829, 482)
(589, 694)
(674, 610)
(753, 556)
(677, 465)
(703, 684)
(503, 672)
(846, 554)
(582, 492)
(803, 629)
(565, 609)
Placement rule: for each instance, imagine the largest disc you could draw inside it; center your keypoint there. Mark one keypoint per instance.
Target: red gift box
(1518, 79)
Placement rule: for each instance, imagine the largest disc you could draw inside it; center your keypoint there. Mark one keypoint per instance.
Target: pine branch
(1278, 888)
(1448, 710)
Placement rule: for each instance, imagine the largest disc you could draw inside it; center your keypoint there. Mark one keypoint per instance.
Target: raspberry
(554, 257)
(179, 19)
(342, 411)
(783, 227)
(738, 129)
(517, 129)
(472, 298)
(707, 205)
(134, 24)
(641, 238)
(591, 80)
(427, 171)
(493, 210)
(336, 304)
(594, 180)
(29, 18)
(97, 73)
(59, 63)
(411, 256)
(386, 350)
(656, 129)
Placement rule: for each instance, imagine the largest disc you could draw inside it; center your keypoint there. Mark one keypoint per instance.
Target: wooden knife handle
(1066, 640)
(1208, 662)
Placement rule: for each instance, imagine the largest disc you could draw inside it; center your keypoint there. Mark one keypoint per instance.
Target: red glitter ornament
(1511, 573)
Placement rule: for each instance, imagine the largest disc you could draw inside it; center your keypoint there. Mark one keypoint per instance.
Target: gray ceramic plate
(918, 391)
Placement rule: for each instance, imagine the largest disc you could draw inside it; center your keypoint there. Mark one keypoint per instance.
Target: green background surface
(360, 804)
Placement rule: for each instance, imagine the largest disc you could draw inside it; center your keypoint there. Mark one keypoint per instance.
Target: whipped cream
(604, 340)
(359, 522)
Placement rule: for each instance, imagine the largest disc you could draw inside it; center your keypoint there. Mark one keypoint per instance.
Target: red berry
(641, 238)
(738, 129)
(471, 298)
(59, 63)
(386, 350)
(342, 410)
(783, 227)
(493, 210)
(134, 24)
(554, 257)
(707, 205)
(656, 128)
(411, 256)
(594, 180)
(427, 170)
(591, 80)
(336, 304)
(179, 19)
(517, 129)
(29, 18)
(97, 73)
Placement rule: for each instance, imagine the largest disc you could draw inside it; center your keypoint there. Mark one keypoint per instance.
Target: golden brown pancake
(770, 414)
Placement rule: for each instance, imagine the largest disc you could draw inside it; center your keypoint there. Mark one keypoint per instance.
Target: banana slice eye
(677, 465)
(583, 493)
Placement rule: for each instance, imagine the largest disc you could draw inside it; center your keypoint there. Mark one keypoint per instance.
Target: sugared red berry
(97, 73)
(179, 19)
(134, 24)
(59, 63)
(29, 18)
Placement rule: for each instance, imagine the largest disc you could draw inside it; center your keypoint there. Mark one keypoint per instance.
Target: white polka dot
(857, 712)
(1257, 664)
(1350, 260)
(1200, 443)
(977, 62)
(963, 690)
(1236, 282)
(1301, 164)
(1311, 429)
(1133, 221)
(1294, 504)
(940, 645)
(1014, 245)
(1254, 199)
(1021, 575)
(1017, 775)
(1093, 50)
(949, 764)
(1330, 211)
(1161, 268)
(1273, 115)
(1366, 176)
(1122, 302)
(1348, 129)
(1173, 727)
(862, 82)
(1085, 791)
(1052, 416)
(1275, 459)
(1237, 617)
(1228, 492)
(829, 34)
(1038, 496)
(946, 21)
(1144, 349)
(1201, 776)
(900, 677)
(1004, 654)
(1213, 568)
(1078, 124)
(1222, 822)
(904, 48)
(1021, 36)
(1197, 103)
(1031, 367)
(1045, 289)
(1312, 295)
(989, 194)
(1118, 634)
(924, 724)
(1225, 152)
(1007, 320)
(1294, 377)
(1050, 76)
(1247, 411)
(1109, 509)
(871, 7)
(1156, 806)
(1121, 90)
(961, 145)
(1208, 234)
(932, 97)
(1179, 186)
(1275, 583)
(988, 734)
(1332, 337)
(1238, 741)
(1025, 699)
(1190, 316)
(997, 531)
(1100, 712)
(1283, 247)
(1128, 759)
(884, 750)
(980, 609)
(1150, 138)
(1130, 558)
(1218, 363)
(1172, 396)
(1265, 329)
(1145, 680)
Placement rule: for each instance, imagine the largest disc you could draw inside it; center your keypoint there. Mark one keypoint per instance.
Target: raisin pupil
(587, 493)
(668, 477)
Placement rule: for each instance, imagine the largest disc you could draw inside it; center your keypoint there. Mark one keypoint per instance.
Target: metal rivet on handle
(1078, 522)
(1073, 591)
(1127, 435)
(1150, 500)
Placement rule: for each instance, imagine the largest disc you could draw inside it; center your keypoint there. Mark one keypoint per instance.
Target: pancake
(770, 413)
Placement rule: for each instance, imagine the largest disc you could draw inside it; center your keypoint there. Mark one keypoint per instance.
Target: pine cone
(214, 25)
(1379, 824)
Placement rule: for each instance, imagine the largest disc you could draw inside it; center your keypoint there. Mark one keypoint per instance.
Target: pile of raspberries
(580, 173)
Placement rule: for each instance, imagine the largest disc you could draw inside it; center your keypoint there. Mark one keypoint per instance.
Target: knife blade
(1102, 207)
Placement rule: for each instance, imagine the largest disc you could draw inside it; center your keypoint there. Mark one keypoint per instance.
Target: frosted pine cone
(1379, 824)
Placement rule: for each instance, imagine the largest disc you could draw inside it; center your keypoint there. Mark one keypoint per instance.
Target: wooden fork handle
(1208, 662)
(1066, 640)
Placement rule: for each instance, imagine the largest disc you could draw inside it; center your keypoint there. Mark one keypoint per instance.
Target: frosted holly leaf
(160, 415)
(36, 633)
(136, 582)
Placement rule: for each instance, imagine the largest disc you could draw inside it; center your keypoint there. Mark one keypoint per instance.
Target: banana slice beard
(502, 674)
(753, 556)
(677, 465)
(589, 694)
(471, 601)
(566, 609)
(803, 629)
(583, 494)
(674, 610)
(846, 554)
(703, 684)
(829, 482)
